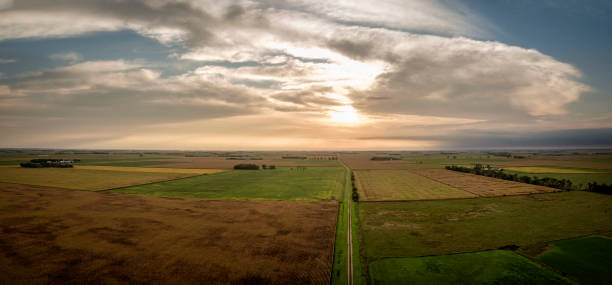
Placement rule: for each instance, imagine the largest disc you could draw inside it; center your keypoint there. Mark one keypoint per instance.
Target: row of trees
(385, 158)
(563, 184)
(250, 166)
(599, 188)
(49, 162)
(354, 193)
(45, 165)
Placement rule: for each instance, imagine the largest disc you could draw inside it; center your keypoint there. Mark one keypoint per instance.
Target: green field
(549, 169)
(588, 259)
(385, 185)
(485, 267)
(284, 183)
(82, 179)
(419, 228)
(577, 179)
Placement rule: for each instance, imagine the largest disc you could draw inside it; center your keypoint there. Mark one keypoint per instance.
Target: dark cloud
(475, 139)
(353, 49)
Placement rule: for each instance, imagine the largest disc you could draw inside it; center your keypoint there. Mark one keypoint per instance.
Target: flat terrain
(381, 185)
(283, 183)
(419, 228)
(586, 259)
(548, 169)
(486, 267)
(83, 179)
(224, 163)
(61, 236)
(357, 162)
(579, 176)
(150, 169)
(481, 185)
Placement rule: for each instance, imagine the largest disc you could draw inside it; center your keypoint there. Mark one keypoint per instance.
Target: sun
(344, 114)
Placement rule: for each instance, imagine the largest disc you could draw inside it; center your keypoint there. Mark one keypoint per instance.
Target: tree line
(48, 162)
(250, 166)
(562, 184)
(354, 193)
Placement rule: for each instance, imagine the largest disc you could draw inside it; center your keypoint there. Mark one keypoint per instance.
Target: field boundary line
(470, 198)
(180, 178)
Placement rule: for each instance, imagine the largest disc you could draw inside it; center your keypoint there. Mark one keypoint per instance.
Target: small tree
(263, 166)
(272, 167)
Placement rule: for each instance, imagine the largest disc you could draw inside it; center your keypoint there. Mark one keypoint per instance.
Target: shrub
(246, 166)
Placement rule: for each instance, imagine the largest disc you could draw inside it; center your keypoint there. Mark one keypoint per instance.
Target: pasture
(84, 179)
(586, 259)
(61, 236)
(384, 185)
(485, 267)
(481, 185)
(420, 228)
(283, 183)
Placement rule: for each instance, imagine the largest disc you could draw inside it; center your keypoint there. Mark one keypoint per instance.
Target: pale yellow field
(150, 169)
(536, 169)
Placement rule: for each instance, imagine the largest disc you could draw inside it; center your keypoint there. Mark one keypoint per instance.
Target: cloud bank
(391, 68)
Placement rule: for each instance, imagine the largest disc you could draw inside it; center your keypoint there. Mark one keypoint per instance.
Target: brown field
(83, 179)
(481, 185)
(594, 164)
(59, 236)
(223, 163)
(385, 185)
(363, 162)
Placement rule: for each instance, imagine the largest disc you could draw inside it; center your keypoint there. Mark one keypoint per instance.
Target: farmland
(486, 267)
(85, 179)
(283, 183)
(379, 185)
(480, 185)
(414, 221)
(150, 169)
(578, 176)
(420, 228)
(57, 236)
(586, 259)
(224, 163)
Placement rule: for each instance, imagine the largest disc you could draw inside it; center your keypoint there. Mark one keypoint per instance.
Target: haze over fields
(305, 75)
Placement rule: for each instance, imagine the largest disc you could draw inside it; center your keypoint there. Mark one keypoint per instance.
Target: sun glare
(344, 114)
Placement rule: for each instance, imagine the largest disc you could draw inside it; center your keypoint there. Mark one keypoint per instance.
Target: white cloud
(389, 67)
(7, 60)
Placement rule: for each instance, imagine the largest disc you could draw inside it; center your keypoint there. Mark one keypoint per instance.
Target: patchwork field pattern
(58, 236)
(363, 162)
(83, 179)
(381, 185)
(420, 228)
(283, 183)
(485, 267)
(482, 185)
(548, 169)
(150, 169)
(223, 163)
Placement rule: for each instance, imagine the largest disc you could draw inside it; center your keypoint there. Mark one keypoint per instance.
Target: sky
(306, 75)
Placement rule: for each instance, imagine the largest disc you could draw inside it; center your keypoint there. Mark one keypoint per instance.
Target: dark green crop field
(419, 228)
(283, 183)
(588, 259)
(485, 267)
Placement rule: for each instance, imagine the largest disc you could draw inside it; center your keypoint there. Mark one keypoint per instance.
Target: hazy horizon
(305, 75)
